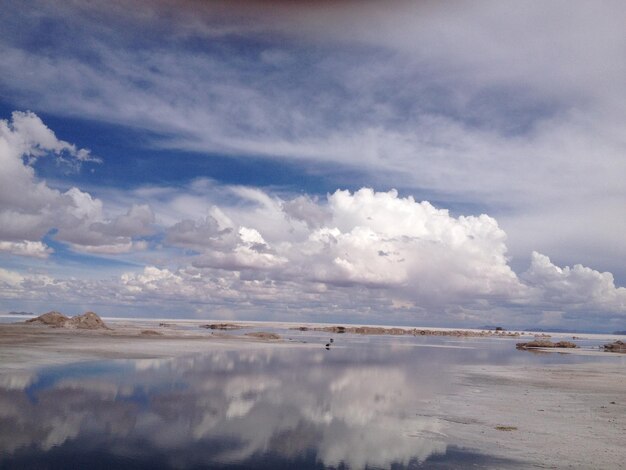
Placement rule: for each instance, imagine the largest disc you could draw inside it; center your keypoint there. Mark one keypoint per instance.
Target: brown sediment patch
(263, 335)
(544, 343)
(150, 333)
(222, 326)
(506, 428)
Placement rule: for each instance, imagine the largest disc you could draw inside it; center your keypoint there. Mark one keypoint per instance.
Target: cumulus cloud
(364, 238)
(30, 208)
(578, 286)
(364, 254)
(200, 233)
(307, 210)
(376, 253)
(26, 248)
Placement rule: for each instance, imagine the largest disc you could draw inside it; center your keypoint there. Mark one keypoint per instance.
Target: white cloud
(10, 278)
(377, 253)
(29, 136)
(365, 254)
(381, 239)
(576, 287)
(29, 208)
(26, 248)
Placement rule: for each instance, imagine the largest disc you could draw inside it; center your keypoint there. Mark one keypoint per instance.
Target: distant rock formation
(544, 343)
(86, 321)
(379, 330)
(617, 346)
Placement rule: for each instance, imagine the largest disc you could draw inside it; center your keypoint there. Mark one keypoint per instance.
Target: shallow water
(364, 403)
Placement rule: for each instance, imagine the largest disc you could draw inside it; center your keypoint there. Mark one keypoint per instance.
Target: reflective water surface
(365, 403)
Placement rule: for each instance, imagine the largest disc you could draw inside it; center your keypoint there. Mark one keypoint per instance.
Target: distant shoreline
(320, 325)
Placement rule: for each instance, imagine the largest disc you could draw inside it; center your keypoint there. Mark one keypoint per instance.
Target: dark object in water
(544, 343)
(617, 346)
(332, 340)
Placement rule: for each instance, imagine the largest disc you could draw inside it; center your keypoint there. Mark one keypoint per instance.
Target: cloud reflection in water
(355, 407)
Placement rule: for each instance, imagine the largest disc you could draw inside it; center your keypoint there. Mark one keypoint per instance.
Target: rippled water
(365, 403)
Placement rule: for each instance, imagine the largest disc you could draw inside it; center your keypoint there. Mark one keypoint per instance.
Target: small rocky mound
(544, 343)
(86, 321)
(264, 335)
(617, 346)
(54, 319)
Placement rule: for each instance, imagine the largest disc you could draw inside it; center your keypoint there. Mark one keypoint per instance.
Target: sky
(404, 162)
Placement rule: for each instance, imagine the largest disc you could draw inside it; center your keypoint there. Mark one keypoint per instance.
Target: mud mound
(87, 321)
(55, 319)
(617, 346)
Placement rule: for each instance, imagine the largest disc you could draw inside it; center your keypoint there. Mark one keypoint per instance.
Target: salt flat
(520, 409)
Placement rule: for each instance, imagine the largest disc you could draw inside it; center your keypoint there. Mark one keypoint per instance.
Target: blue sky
(253, 160)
